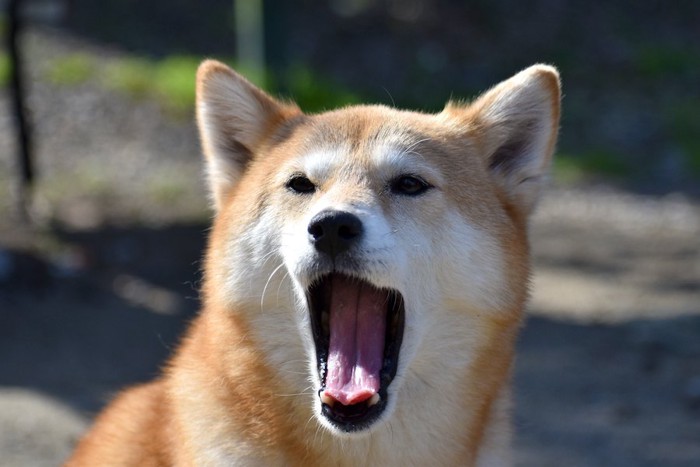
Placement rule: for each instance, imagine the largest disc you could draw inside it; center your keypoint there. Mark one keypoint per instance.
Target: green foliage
(174, 82)
(604, 162)
(567, 169)
(655, 61)
(4, 69)
(691, 153)
(685, 129)
(260, 78)
(315, 93)
(574, 168)
(71, 69)
(171, 81)
(133, 76)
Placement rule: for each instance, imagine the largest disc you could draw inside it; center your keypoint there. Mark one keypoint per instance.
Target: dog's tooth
(373, 400)
(328, 400)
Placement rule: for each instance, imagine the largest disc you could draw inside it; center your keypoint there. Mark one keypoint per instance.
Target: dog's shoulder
(129, 431)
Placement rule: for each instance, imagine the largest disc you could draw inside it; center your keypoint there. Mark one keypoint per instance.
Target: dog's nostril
(333, 232)
(316, 230)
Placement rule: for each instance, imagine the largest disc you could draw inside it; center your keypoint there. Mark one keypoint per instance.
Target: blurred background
(100, 248)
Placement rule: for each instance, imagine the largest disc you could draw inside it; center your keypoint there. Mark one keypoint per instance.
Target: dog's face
(367, 247)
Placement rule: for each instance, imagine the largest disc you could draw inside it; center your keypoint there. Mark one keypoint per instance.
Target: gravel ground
(94, 297)
(607, 256)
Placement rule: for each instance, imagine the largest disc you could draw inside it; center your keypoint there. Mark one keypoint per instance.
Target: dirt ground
(608, 368)
(95, 296)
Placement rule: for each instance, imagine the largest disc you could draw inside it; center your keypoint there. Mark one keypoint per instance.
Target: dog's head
(366, 247)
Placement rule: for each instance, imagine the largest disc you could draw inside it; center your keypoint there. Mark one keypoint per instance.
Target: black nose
(333, 232)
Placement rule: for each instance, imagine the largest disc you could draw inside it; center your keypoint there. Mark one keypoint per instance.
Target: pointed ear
(515, 126)
(234, 118)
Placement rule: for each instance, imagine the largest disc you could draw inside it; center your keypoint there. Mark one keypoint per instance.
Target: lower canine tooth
(373, 400)
(326, 399)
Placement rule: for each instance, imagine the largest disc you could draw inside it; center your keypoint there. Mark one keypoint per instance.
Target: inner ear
(520, 162)
(507, 160)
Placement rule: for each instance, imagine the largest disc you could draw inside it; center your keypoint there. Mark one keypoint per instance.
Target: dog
(365, 281)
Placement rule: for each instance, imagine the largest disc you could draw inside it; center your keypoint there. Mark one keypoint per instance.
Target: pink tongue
(356, 350)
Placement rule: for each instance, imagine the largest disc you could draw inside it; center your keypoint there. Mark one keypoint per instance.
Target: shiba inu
(364, 284)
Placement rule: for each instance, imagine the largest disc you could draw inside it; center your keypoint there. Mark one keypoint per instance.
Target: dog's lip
(358, 416)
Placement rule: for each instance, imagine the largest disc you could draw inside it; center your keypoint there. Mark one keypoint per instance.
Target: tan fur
(239, 389)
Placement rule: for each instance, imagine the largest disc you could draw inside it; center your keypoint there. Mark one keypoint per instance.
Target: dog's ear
(514, 125)
(233, 117)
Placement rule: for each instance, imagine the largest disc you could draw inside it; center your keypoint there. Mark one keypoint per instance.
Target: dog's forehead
(362, 145)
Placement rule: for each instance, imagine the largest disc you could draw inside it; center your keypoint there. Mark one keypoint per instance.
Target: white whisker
(262, 298)
(302, 393)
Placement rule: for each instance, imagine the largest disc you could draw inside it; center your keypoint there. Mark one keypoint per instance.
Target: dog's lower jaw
(401, 440)
(468, 425)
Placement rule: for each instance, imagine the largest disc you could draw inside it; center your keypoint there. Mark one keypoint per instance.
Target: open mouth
(357, 329)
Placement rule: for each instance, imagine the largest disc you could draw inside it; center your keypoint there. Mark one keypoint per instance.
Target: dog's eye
(409, 185)
(301, 184)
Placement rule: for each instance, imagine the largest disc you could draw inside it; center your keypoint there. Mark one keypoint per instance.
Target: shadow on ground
(105, 315)
(616, 395)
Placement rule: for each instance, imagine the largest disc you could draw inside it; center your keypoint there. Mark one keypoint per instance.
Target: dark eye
(301, 184)
(409, 185)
